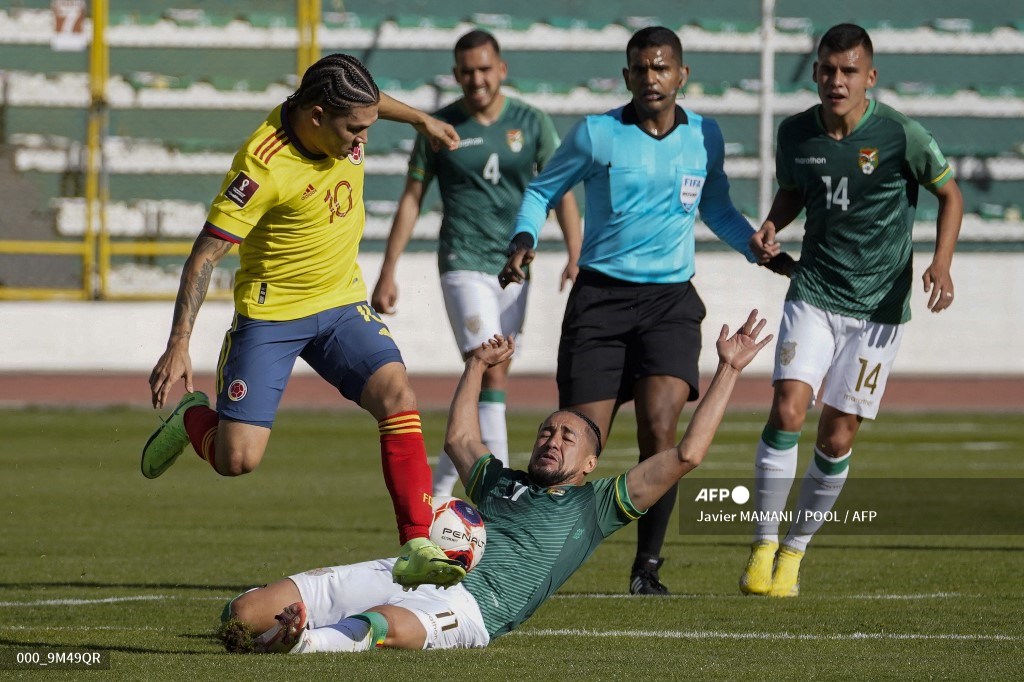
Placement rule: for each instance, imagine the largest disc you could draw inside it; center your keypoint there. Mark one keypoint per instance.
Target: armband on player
(522, 241)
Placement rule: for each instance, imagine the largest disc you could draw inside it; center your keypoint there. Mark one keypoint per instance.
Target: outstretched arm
(649, 480)
(440, 134)
(175, 363)
(462, 440)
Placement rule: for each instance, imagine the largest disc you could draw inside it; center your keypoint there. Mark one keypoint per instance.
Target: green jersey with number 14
(482, 182)
(860, 195)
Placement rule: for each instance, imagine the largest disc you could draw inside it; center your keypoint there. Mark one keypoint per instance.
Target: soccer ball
(458, 529)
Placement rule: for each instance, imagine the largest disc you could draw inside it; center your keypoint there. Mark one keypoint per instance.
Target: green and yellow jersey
(536, 537)
(482, 182)
(298, 217)
(860, 195)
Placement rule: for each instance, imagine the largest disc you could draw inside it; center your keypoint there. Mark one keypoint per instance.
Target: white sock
(823, 481)
(494, 434)
(774, 471)
(351, 634)
(493, 429)
(445, 476)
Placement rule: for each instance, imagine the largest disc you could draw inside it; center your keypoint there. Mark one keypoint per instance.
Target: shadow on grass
(92, 646)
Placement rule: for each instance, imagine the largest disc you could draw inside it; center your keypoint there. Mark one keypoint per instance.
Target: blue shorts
(345, 346)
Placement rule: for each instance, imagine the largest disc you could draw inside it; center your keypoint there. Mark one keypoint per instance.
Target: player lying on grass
(542, 524)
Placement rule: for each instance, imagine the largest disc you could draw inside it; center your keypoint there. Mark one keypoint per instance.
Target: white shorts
(451, 617)
(851, 357)
(478, 308)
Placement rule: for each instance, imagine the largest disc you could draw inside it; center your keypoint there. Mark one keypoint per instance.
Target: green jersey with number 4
(482, 182)
(860, 195)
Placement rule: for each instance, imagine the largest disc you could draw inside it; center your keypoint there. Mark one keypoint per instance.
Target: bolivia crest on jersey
(868, 160)
(515, 140)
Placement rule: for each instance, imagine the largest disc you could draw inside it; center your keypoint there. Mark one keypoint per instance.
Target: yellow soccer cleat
(757, 576)
(786, 579)
(421, 562)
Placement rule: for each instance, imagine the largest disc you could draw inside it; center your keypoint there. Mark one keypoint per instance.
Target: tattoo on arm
(195, 282)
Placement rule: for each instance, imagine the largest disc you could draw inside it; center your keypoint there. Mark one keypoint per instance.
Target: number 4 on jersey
(840, 197)
(491, 170)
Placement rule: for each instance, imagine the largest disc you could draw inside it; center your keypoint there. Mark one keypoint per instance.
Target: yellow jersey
(298, 218)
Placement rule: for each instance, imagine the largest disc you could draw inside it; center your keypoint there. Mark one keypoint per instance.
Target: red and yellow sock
(201, 427)
(406, 473)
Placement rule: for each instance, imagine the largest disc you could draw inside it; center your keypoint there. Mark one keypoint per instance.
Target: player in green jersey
(504, 143)
(855, 166)
(542, 524)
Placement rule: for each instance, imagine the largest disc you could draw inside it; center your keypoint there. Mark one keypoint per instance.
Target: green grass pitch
(95, 557)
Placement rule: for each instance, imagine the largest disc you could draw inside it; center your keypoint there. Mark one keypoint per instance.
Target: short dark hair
(655, 36)
(595, 430)
(476, 38)
(845, 37)
(339, 81)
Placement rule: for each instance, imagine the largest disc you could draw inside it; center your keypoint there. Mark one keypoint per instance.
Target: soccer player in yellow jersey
(293, 202)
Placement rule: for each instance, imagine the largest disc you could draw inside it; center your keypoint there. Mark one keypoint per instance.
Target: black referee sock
(652, 526)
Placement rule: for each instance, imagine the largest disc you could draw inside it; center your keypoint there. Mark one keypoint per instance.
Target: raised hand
(495, 350)
(739, 349)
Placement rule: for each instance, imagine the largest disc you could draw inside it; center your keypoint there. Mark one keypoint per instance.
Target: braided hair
(338, 81)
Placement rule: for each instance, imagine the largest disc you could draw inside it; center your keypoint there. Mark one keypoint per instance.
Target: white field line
(770, 636)
(658, 634)
(580, 596)
(107, 600)
(831, 597)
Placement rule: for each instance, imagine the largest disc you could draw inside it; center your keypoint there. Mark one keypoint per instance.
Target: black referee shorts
(615, 332)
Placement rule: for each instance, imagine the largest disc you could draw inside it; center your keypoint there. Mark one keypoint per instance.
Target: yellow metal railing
(96, 249)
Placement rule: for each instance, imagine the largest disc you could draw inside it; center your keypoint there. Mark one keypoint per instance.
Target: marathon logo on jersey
(356, 155)
(515, 140)
(689, 191)
(237, 390)
(868, 160)
(241, 189)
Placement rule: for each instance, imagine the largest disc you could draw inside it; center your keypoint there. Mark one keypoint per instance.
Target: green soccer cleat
(170, 439)
(423, 563)
(757, 576)
(786, 579)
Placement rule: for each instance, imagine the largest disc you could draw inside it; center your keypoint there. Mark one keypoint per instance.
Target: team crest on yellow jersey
(515, 140)
(868, 160)
(356, 155)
